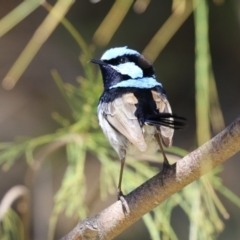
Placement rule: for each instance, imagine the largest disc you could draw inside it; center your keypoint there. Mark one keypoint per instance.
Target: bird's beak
(97, 61)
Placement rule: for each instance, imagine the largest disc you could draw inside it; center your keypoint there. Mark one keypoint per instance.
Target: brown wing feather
(120, 114)
(164, 106)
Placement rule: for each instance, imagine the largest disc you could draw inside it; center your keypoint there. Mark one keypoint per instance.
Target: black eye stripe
(118, 60)
(140, 61)
(123, 60)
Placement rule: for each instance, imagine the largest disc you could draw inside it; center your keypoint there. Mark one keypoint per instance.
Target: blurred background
(26, 109)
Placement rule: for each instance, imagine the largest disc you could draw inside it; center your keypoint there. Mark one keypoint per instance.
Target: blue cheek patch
(147, 82)
(130, 69)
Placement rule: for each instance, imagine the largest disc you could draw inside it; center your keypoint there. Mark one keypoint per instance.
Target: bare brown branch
(113, 220)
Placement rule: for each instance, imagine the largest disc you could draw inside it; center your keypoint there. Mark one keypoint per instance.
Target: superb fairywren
(133, 111)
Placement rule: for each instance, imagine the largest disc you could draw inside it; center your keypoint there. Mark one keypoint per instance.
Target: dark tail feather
(166, 120)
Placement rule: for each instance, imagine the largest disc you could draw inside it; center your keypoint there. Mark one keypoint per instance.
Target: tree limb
(113, 220)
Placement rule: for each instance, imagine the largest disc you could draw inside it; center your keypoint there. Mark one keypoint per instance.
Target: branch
(113, 220)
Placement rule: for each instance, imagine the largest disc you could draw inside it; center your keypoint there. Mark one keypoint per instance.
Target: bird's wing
(163, 106)
(120, 114)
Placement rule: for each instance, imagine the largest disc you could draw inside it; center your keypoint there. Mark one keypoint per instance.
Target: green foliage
(11, 227)
(81, 135)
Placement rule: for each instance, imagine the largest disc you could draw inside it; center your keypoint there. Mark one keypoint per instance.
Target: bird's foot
(121, 197)
(165, 169)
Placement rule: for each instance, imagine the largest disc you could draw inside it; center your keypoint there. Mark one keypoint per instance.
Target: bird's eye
(123, 60)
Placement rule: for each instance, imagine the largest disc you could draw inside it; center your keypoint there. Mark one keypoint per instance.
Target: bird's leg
(120, 194)
(121, 197)
(166, 164)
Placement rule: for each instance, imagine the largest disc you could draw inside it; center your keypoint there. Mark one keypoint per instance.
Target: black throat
(111, 76)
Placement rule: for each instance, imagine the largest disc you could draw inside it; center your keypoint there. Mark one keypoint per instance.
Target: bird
(133, 110)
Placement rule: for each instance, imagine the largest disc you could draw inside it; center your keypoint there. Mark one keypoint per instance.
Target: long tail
(167, 120)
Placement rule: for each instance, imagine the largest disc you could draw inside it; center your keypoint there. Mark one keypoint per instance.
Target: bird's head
(121, 64)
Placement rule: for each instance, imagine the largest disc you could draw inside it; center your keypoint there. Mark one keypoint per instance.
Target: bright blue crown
(118, 52)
